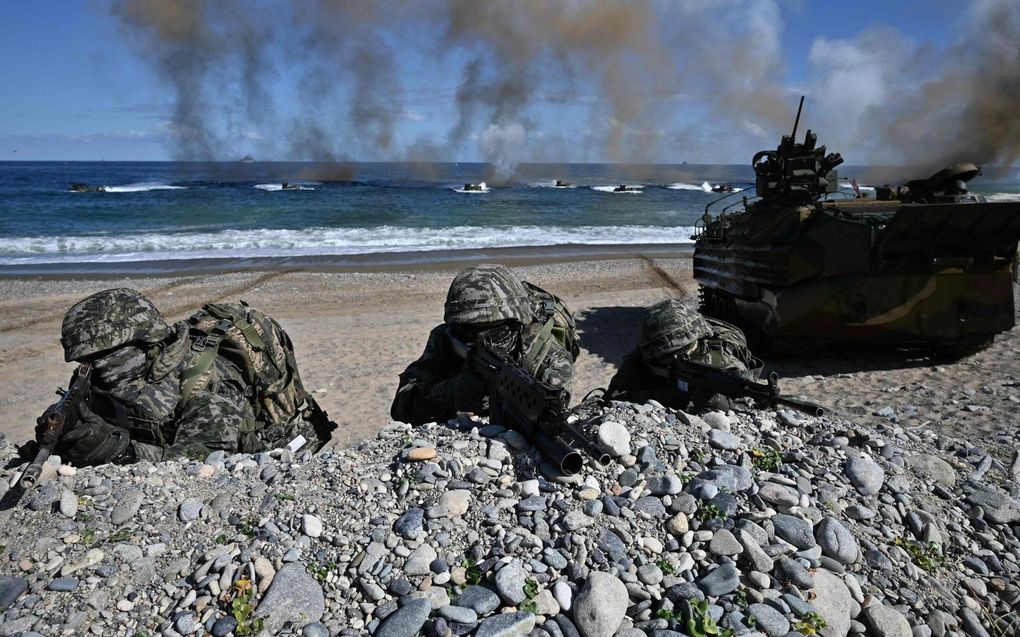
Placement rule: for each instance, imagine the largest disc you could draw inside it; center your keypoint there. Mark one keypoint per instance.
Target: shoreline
(369, 262)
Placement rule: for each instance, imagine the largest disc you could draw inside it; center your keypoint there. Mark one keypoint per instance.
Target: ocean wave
(703, 187)
(142, 187)
(637, 189)
(1002, 196)
(278, 187)
(317, 241)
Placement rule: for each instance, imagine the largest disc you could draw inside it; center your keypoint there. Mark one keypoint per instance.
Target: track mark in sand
(35, 320)
(664, 277)
(228, 294)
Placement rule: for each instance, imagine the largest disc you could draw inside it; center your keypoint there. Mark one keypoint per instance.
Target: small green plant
(708, 511)
(88, 536)
(665, 613)
(472, 573)
(249, 525)
(530, 590)
(701, 623)
(752, 621)
(766, 458)
(3, 547)
(699, 455)
(740, 598)
(927, 556)
(120, 535)
(665, 567)
(810, 624)
(241, 608)
(83, 517)
(727, 632)
(141, 633)
(321, 571)
(686, 477)
(221, 538)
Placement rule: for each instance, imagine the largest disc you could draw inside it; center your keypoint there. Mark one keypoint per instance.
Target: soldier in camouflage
(487, 303)
(670, 329)
(186, 389)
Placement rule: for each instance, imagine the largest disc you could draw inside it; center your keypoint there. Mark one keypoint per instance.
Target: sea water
(165, 211)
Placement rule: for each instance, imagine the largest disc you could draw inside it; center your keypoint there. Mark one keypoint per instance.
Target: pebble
(406, 621)
(419, 454)
(311, 525)
(884, 621)
(865, 474)
(507, 625)
(769, 620)
(294, 596)
(600, 606)
(795, 530)
(11, 588)
(614, 438)
(189, 509)
(837, 541)
(510, 582)
(720, 580)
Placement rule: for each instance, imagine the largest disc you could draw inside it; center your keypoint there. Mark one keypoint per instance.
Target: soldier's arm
(416, 401)
(634, 382)
(558, 368)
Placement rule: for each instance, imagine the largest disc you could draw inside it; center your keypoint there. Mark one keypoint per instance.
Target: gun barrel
(578, 438)
(805, 406)
(559, 452)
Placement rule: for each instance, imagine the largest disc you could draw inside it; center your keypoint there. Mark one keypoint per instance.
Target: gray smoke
(645, 81)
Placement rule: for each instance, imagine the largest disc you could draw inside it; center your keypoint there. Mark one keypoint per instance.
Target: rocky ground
(750, 523)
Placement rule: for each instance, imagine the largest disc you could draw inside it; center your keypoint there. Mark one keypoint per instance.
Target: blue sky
(78, 87)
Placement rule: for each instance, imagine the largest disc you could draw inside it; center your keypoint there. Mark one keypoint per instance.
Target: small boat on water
(723, 188)
(81, 187)
(472, 187)
(562, 184)
(626, 188)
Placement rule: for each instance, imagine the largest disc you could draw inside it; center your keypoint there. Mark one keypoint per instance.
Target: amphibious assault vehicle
(927, 265)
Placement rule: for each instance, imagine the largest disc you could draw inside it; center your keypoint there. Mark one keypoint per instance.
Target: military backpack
(262, 351)
(557, 321)
(727, 348)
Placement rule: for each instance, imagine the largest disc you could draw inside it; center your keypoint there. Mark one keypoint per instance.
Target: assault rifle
(537, 410)
(716, 380)
(56, 419)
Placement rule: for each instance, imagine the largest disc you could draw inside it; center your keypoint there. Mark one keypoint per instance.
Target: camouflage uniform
(151, 380)
(669, 329)
(490, 301)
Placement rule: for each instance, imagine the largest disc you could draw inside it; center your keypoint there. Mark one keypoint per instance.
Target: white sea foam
(1002, 196)
(277, 187)
(613, 189)
(316, 241)
(551, 184)
(142, 187)
(703, 187)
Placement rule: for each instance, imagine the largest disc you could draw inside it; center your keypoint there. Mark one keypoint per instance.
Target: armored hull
(933, 268)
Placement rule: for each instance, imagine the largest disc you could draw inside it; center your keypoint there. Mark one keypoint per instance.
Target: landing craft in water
(473, 187)
(626, 188)
(926, 265)
(80, 187)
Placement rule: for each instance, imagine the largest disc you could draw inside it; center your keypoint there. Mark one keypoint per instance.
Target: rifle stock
(57, 418)
(732, 385)
(521, 402)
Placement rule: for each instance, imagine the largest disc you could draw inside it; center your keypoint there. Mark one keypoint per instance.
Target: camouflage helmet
(109, 319)
(487, 294)
(669, 327)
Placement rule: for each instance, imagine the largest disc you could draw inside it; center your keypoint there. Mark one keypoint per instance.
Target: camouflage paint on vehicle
(927, 265)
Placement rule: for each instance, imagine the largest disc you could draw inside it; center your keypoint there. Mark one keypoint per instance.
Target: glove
(93, 441)
(463, 392)
(712, 402)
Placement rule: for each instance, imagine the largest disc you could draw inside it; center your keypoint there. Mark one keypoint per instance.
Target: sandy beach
(356, 331)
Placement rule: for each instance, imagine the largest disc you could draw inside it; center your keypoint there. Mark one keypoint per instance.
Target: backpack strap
(204, 350)
(540, 347)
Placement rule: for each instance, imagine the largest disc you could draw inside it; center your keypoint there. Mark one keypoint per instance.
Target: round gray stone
(885, 621)
(407, 620)
(837, 541)
(600, 606)
(769, 620)
(721, 580)
(865, 474)
(795, 530)
(510, 582)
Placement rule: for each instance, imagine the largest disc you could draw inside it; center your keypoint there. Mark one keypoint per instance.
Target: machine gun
(795, 173)
(716, 380)
(62, 415)
(519, 401)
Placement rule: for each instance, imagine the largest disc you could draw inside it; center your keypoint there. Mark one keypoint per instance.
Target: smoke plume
(630, 81)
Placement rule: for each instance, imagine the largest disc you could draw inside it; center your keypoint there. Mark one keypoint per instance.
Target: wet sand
(355, 331)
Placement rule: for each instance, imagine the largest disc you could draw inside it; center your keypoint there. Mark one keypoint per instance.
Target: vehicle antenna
(796, 122)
